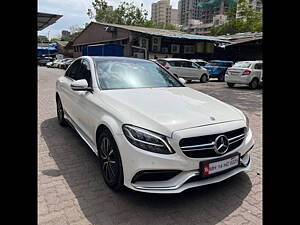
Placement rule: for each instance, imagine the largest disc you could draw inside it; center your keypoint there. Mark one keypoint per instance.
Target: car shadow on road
(80, 168)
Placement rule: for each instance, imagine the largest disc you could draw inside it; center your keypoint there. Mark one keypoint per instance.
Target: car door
(175, 68)
(85, 108)
(190, 70)
(67, 95)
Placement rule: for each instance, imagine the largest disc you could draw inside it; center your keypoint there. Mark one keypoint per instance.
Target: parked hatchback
(217, 68)
(200, 62)
(185, 69)
(245, 72)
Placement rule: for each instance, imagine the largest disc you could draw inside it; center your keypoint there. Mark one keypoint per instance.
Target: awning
(46, 19)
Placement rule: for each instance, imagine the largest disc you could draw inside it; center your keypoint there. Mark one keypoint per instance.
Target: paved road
(72, 191)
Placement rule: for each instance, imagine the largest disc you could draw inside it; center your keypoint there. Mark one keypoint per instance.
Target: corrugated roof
(46, 19)
(165, 33)
(241, 37)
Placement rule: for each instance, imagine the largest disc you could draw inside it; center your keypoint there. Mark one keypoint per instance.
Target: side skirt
(81, 133)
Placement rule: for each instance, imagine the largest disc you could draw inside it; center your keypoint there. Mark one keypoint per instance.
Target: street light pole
(48, 44)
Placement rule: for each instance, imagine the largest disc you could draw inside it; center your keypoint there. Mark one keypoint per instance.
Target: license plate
(212, 167)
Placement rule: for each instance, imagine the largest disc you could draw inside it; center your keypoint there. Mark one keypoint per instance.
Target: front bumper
(136, 160)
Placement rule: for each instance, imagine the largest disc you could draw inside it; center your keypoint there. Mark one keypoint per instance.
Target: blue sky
(75, 12)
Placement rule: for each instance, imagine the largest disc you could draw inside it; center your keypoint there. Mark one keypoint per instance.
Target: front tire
(204, 78)
(60, 112)
(110, 161)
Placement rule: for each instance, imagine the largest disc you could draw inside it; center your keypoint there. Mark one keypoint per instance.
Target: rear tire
(60, 112)
(221, 77)
(204, 78)
(110, 161)
(254, 84)
(230, 85)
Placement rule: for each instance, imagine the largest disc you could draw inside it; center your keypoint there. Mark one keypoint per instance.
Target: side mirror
(182, 80)
(80, 85)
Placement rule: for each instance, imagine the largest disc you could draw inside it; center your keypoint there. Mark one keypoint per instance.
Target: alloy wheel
(108, 157)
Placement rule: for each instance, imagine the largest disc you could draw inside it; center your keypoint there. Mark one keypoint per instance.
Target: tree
(125, 14)
(42, 38)
(249, 21)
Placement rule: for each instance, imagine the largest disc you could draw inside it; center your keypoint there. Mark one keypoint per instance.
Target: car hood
(165, 110)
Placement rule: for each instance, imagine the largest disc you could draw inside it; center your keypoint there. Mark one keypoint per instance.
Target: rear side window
(201, 63)
(187, 64)
(258, 66)
(176, 63)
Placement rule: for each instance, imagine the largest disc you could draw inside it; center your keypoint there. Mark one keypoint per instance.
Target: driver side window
(194, 65)
(85, 72)
(73, 70)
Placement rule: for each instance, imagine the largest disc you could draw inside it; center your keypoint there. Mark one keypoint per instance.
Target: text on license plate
(215, 167)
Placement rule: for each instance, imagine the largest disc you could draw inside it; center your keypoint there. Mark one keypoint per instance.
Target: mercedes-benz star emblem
(221, 144)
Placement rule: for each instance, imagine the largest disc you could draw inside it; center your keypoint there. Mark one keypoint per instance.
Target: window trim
(81, 63)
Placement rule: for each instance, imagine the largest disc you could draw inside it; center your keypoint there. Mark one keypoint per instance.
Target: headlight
(147, 140)
(247, 123)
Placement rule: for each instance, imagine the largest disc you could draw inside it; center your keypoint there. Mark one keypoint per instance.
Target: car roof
(115, 58)
(221, 61)
(254, 61)
(199, 60)
(174, 59)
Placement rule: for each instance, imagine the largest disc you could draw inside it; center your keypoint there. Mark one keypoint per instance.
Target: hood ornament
(212, 118)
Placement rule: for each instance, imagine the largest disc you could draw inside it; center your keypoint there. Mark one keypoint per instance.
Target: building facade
(65, 33)
(162, 12)
(207, 13)
(146, 43)
(256, 5)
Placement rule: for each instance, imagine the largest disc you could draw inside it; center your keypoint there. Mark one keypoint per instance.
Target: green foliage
(42, 39)
(125, 14)
(250, 21)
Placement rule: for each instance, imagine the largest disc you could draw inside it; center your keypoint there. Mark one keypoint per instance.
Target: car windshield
(242, 64)
(131, 74)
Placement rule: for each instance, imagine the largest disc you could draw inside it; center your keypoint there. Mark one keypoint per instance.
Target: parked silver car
(200, 62)
(245, 72)
(185, 69)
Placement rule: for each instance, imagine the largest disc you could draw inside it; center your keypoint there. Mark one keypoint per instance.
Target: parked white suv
(245, 72)
(184, 68)
(150, 132)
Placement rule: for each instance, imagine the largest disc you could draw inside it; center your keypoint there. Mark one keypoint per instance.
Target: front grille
(203, 146)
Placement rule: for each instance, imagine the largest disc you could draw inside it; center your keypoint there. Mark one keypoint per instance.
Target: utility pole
(48, 44)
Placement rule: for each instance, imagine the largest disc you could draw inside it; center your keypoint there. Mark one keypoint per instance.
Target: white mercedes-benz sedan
(150, 132)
